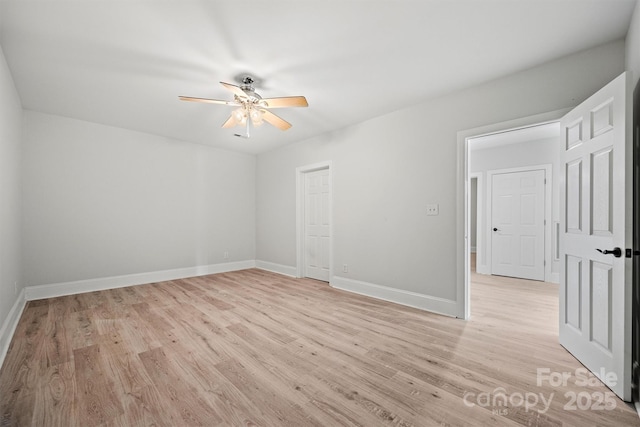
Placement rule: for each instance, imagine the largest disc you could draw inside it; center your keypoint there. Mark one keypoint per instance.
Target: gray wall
(102, 201)
(386, 171)
(10, 196)
(633, 46)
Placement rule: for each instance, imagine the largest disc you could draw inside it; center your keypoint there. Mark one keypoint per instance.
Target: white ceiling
(124, 63)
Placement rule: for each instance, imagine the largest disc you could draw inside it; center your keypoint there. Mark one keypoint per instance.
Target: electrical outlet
(345, 268)
(433, 209)
(226, 254)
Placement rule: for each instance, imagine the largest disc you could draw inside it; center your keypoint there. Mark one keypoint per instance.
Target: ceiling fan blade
(276, 121)
(231, 122)
(237, 90)
(285, 101)
(207, 100)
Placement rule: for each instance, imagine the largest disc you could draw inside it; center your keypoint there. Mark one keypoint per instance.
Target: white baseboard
(277, 268)
(399, 296)
(104, 283)
(10, 324)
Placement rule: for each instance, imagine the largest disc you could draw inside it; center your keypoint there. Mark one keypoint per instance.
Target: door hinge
(629, 253)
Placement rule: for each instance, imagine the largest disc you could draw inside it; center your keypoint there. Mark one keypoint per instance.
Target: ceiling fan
(252, 108)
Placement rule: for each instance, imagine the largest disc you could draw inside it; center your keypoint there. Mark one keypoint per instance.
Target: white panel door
(317, 199)
(517, 218)
(595, 294)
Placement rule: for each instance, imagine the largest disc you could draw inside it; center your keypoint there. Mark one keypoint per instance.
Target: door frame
(635, 245)
(300, 211)
(462, 196)
(547, 213)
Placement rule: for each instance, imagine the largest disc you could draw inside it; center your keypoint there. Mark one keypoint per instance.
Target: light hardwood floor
(253, 348)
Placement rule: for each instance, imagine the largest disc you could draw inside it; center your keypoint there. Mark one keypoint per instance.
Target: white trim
(10, 324)
(398, 296)
(300, 171)
(104, 283)
(555, 278)
(462, 196)
(285, 270)
(548, 188)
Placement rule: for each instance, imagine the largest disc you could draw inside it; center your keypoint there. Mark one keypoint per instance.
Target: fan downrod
(247, 83)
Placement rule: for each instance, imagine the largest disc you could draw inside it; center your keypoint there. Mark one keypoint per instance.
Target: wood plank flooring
(253, 348)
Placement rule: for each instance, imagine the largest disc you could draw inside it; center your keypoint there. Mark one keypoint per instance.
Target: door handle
(495, 229)
(616, 252)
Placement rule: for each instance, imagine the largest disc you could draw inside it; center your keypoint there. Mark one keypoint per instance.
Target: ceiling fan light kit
(252, 108)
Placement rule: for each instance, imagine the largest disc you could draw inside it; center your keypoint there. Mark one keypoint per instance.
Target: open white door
(595, 288)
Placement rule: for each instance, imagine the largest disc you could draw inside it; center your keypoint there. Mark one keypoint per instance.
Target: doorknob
(495, 229)
(616, 252)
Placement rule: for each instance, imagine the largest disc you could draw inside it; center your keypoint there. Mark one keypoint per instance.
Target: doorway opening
(491, 136)
(511, 175)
